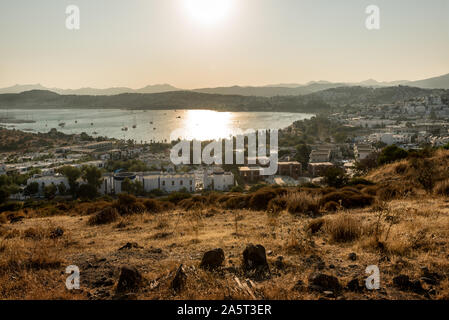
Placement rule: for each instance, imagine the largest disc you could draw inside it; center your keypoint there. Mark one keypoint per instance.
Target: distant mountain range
(158, 88)
(321, 101)
(292, 89)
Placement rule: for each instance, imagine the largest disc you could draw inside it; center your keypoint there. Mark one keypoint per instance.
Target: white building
(44, 181)
(177, 182)
(219, 181)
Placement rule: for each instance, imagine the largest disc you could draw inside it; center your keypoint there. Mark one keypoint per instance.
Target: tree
(31, 189)
(335, 177)
(303, 154)
(72, 174)
(87, 191)
(132, 187)
(391, 154)
(92, 175)
(62, 189)
(50, 191)
(4, 194)
(367, 164)
(127, 185)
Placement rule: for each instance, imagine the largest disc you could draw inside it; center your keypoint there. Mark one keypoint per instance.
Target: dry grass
(343, 228)
(410, 233)
(303, 203)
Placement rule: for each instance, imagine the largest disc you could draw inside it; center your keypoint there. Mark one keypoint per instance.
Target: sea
(146, 125)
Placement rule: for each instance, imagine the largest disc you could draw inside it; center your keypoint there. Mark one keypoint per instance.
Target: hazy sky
(256, 42)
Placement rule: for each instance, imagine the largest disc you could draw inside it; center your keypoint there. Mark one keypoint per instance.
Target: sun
(208, 11)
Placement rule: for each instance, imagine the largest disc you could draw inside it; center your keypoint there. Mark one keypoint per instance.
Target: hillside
(315, 102)
(317, 243)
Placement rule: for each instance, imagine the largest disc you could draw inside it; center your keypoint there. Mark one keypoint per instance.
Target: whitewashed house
(44, 181)
(177, 182)
(219, 181)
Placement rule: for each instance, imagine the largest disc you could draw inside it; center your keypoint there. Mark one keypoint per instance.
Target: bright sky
(193, 43)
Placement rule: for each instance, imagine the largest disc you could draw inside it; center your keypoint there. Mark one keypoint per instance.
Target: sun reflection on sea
(207, 125)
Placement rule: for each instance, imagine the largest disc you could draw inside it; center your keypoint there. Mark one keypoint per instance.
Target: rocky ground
(240, 254)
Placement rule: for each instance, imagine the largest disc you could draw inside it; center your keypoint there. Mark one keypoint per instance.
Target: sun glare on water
(208, 11)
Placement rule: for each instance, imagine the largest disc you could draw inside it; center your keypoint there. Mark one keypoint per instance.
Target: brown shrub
(315, 225)
(394, 191)
(349, 199)
(442, 188)
(303, 203)
(167, 206)
(237, 202)
(331, 206)
(259, 200)
(152, 206)
(33, 233)
(401, 168)
(343, 228)
(371, 190)
(194, 203)
(104, 216)
(277, 205)
(128, 204)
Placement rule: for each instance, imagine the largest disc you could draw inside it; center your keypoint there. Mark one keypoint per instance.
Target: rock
(179, 281)
(354, 285)
(16, 219)
(56, 233)
(130, 280)
(254, 258)
(321, 265)
(352, 256)
(299, 286)
(212, 259)
(329, 294)
(155, 250)
(403, 283)
(331, 266)
(131, 245)
(279, 263)
(323, 282)
(431, 278)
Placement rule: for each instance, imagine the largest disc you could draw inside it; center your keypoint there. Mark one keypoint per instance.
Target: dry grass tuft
(343, 228)
(303, 203)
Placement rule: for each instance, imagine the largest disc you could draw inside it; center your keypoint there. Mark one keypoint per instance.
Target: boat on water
(76, 121)
(134, 126)
(62, 124)
(125, 129)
